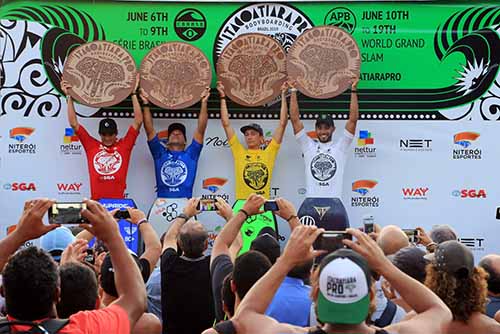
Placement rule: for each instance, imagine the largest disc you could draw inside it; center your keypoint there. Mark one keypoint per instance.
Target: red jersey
(112, 319)
(107, 166)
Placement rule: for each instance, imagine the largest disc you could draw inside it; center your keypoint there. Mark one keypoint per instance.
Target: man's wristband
(142, 221)
(293, 89)
(354, 90)
(291, 217)
(244, 212)
(183, 216)
(133, 94)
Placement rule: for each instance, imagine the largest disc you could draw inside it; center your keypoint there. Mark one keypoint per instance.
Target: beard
(329, 138)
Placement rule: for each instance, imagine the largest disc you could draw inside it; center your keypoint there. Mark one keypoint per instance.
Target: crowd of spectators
(381, 282)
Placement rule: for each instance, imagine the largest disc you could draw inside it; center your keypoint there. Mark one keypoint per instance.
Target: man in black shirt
(186, 293)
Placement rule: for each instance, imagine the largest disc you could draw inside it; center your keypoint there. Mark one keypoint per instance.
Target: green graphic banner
(433, 61)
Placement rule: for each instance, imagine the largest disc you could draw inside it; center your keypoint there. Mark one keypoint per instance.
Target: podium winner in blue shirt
(175, 164)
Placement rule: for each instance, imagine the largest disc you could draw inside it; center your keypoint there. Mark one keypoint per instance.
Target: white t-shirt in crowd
(324, 164)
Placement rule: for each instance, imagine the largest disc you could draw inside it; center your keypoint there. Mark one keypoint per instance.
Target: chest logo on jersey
(107, 163)
(174, 172)
(256, 175)
(323, 167)
(321, 211)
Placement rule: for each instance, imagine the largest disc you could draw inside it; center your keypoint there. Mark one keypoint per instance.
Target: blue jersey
(175, 170)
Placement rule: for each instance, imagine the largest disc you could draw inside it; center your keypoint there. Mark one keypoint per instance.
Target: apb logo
(20, 135)
(190, 24)
(341, 17)
(365, 144)
(363, 188)
(466, 140)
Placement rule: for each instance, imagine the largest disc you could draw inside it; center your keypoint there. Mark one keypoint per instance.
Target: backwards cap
(344, 288)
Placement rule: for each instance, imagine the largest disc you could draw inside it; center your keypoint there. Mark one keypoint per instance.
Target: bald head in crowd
(193, 239)
(491, 263)
(442, 233)
(391, 239)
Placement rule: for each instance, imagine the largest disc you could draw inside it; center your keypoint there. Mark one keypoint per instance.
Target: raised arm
(128, 279)
(73, 120)
(152, 245)
(353, 108)
(250, 313)
(30, 227)
(138, 118)
(287, 212)
(203, 117)
(170, 240)
(294, 109)
(224, 113)
(230, 231)
(280, 130)
(432, 312)
(148, 119)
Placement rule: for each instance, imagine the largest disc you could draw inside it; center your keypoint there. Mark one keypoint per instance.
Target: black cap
(253, 126)
(108, 126)
(177, 126)
(453, 257)
(325, 119)
(267, 244)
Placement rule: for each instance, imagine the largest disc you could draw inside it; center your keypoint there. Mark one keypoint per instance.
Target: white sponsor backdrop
(392, 169)
(49, 162)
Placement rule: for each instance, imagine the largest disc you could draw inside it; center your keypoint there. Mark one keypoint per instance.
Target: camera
(206, 205)
(122, 214)
(271, 206)
(67, 213)
(412, 234)
(330, 241)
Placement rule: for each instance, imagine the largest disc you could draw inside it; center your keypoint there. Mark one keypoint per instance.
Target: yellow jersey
(253, 169)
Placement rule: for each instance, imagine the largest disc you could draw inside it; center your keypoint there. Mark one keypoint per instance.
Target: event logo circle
(190, 24)
(278, 20)
(323, 61)
(323, 167)
(341, 17)
(174, 172)
(256, 175)
(107, 163)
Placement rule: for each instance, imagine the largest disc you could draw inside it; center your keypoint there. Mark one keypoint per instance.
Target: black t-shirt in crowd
(221, 267)
(186, 294)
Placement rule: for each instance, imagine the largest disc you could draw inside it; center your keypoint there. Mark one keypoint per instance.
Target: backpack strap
(53, 326)
(387, 316)
(225, 327)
